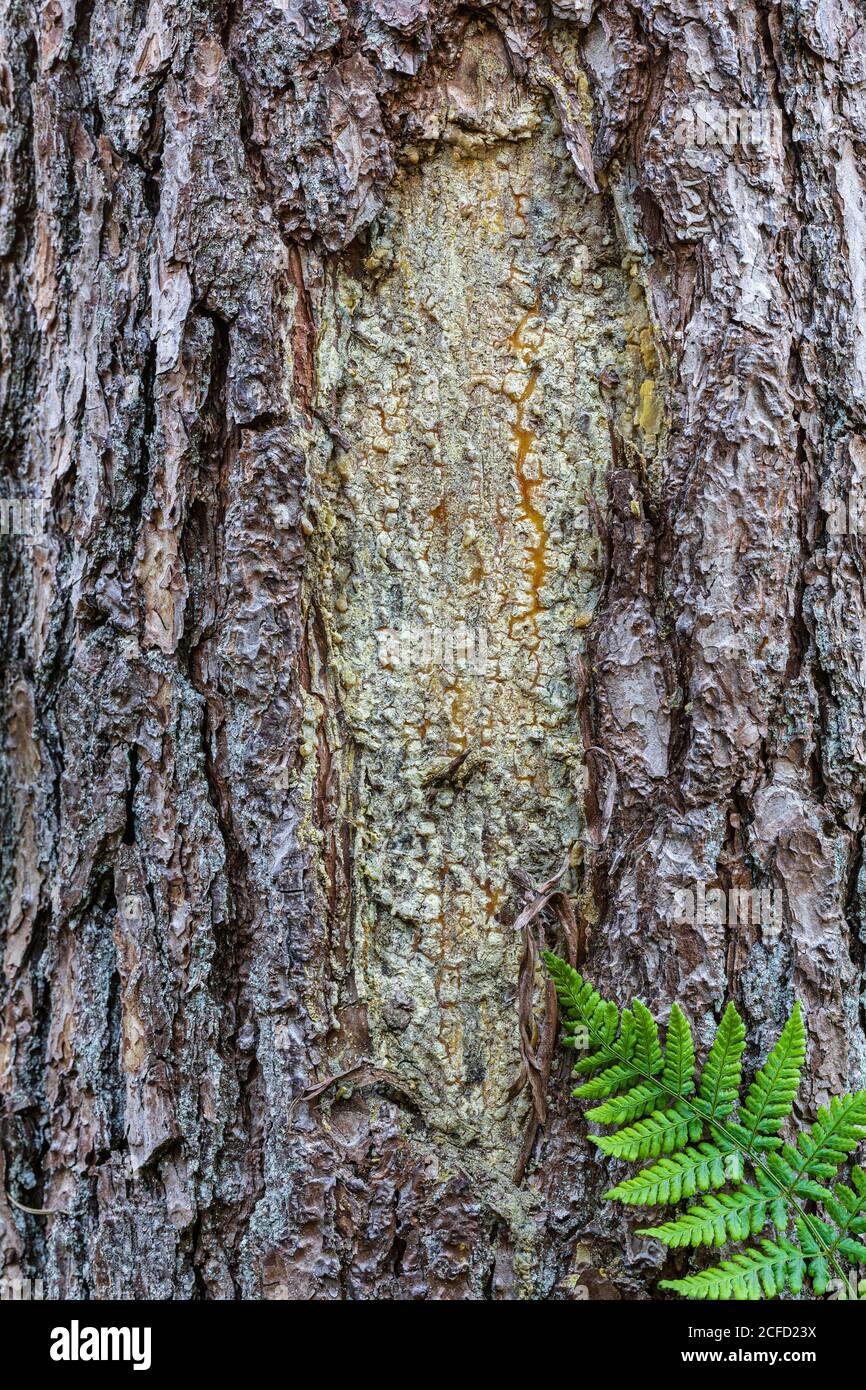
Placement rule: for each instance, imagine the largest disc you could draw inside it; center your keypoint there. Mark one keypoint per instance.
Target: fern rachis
(649, 1094)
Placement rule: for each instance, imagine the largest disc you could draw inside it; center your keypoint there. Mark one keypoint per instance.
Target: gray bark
(329, 327)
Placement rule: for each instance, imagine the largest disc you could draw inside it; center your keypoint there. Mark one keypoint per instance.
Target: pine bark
(273, 1023)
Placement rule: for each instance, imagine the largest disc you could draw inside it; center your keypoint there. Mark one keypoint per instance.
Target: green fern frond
(777, 1206)
(607, 1083)
(814, 1250)
(648, 1101)
(730, 1216)
(696, 1169)
(648, 1051)
(766, 1271)
(679, 1069)
(605, 1028)
(819, 1154)
(592, 1025)
(846, 1208)
(662, 1133)
(771, 1095)
(579, 1002)
(633, 1105)
(677, 1079)
(720, 1078)
(835, 1134)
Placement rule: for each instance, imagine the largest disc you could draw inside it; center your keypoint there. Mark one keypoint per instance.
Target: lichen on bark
(472, 366)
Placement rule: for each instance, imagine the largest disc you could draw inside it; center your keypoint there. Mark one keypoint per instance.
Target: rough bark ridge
(322, 320)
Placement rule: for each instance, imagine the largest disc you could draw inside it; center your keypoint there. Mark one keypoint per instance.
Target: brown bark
(321, 321)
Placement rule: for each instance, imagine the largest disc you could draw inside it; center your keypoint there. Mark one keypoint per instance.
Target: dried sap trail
(454, 563)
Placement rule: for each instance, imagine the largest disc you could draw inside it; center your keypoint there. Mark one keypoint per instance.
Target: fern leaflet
(752, 1183)
(760, 1272)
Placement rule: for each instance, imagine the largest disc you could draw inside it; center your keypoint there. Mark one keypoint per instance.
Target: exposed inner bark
(456, 566)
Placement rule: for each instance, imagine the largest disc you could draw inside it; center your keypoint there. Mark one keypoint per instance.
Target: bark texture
(327, 321)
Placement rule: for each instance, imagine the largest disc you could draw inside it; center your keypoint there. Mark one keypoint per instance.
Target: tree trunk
(441, 427)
